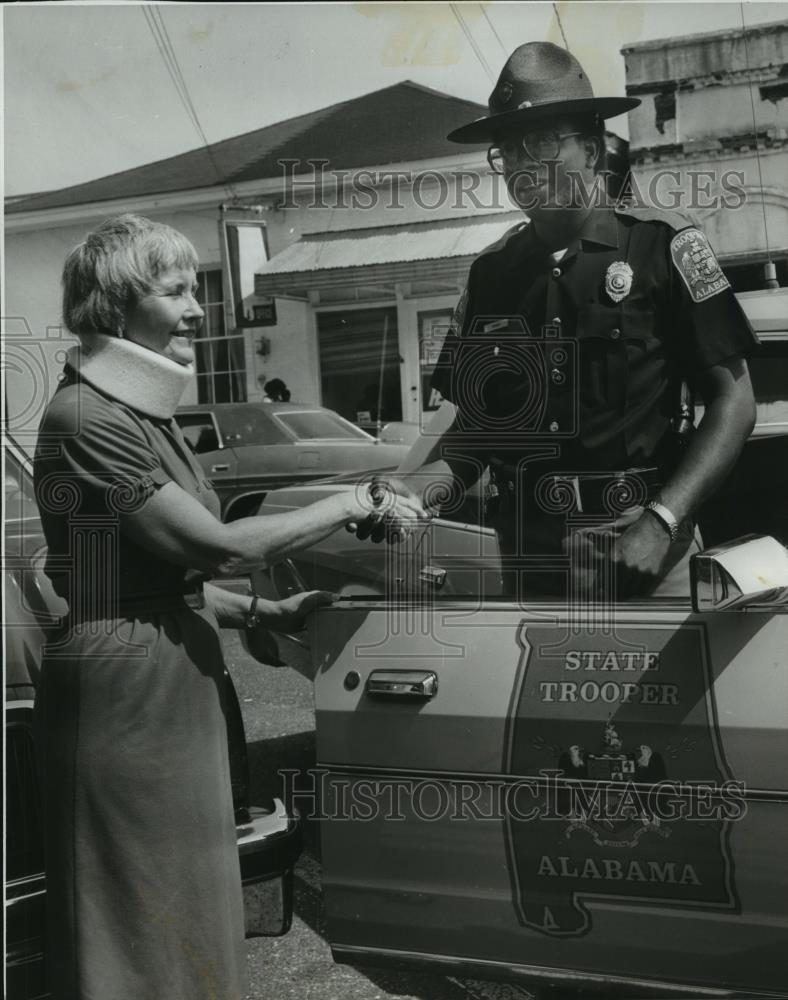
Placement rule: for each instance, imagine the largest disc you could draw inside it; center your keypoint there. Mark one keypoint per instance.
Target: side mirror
(751, 571)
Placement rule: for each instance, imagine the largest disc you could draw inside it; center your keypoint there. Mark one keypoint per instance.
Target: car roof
(767, 311)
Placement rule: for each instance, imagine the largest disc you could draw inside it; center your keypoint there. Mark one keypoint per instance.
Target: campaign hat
(539, 81)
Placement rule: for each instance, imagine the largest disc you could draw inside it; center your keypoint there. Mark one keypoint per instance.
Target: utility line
(560, 26)
(472, 41)
(160, 45)
(492, 27)
(771, 273)
(164, 44)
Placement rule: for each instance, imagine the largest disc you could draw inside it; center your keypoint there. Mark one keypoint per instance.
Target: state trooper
(573, 339)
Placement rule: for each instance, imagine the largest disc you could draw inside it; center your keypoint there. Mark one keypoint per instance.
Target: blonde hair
(114, 267)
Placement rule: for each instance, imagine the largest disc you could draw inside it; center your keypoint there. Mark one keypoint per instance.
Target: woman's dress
(143, 881)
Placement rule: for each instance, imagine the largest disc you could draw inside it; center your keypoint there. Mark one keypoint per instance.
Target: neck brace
(140, 378)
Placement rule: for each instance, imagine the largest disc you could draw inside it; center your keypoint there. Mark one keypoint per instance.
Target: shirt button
(554, 426)
(556, 272)
(615, 333)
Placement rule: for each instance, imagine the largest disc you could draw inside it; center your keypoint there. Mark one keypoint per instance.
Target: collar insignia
(504, 92)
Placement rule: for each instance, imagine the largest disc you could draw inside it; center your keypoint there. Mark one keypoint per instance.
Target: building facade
(380, 213)
(372, 219)
(711, 136)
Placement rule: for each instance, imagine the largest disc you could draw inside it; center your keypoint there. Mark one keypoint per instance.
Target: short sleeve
(93, 457)
(712, 323)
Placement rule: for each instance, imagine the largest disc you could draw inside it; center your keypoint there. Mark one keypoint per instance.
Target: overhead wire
(560, 26)
(492, 28)
(472, 42)
(771, 274)
(161, 46)
(166, 50)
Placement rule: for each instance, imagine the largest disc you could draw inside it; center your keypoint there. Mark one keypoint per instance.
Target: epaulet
(502, 240)
(644, 212)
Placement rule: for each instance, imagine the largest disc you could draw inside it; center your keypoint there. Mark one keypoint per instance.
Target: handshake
(387, 510)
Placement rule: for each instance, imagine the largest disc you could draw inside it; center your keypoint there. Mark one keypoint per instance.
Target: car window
(319, 425)
(248, 424)
(199, 431)
(769, 373)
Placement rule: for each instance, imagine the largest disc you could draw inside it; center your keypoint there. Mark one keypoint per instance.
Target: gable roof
(396, 124)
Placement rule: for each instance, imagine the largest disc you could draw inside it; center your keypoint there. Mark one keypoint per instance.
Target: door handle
(410, 684)
(220, 468)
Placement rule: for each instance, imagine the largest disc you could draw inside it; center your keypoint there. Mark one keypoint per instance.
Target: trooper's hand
(389, 509)
(638, 557)
(621, 559)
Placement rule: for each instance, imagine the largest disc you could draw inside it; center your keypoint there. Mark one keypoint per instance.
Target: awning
(381, 255)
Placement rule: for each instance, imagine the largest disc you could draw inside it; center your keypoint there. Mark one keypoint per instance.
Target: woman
(143, 883)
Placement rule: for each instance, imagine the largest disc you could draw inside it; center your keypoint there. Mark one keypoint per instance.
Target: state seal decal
(618, 280)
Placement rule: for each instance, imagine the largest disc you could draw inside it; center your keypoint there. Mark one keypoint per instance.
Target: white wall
(732, 230)
(34, 260)
(33, 323)
(408, 325)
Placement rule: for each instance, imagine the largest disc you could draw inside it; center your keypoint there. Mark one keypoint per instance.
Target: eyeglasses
(539, 145)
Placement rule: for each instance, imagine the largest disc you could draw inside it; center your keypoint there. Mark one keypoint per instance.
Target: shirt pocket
(612, 342)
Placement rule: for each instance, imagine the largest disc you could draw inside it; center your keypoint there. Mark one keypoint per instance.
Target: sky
(87, 93)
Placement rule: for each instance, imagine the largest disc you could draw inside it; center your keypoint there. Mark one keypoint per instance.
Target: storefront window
(220, 359)
(360, 365)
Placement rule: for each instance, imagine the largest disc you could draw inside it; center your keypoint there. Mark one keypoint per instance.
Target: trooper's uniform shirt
(641, 299)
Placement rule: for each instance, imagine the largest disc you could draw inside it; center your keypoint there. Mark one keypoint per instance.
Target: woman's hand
(232, 608)
(288, 615)
(393, 511)
(278, 616)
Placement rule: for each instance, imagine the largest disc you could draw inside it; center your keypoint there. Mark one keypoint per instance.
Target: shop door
(360, 365)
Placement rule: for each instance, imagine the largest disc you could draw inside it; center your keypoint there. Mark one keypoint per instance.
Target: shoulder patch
(694, 259)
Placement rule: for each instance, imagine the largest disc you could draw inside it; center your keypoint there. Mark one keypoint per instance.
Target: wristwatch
(665, 518)
(252, 619)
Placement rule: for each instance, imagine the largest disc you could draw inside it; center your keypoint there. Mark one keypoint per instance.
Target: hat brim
(494, 126)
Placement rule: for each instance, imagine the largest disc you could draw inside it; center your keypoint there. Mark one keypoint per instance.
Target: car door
(219, 462)
(264, 452)
(590, 795)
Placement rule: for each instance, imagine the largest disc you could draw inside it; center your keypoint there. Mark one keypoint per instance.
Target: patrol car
(588, 795)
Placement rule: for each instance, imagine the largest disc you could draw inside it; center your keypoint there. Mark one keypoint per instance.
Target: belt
(597, 493)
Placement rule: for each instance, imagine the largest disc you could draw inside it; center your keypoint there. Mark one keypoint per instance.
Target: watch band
(252, 619)
(665, 518)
